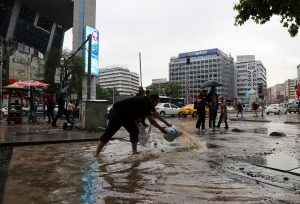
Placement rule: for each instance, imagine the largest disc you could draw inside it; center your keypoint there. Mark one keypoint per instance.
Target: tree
(108, 94)
(172, 89)
(71, 73)
(155, 90)
(260, 11)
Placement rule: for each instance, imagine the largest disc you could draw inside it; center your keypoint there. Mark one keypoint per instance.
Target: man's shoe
(54, 125)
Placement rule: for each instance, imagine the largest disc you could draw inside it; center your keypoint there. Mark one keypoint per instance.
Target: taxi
(190, 110)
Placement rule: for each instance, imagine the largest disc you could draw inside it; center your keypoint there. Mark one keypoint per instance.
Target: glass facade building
(28, 29)
(205, 65)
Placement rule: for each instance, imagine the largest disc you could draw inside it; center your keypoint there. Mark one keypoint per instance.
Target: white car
(109, 107)
(25, 110)
(4, 111)
(276, 109)
(230, 108)
(167, 109)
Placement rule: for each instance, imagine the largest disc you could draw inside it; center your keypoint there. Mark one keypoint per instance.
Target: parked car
(293, 108)
(25, 110)
(167, 109)
(230, 108)
(109, 107)
(276, 109)
(4, 111)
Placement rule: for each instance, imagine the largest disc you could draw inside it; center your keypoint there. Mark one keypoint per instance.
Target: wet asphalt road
(212, 166)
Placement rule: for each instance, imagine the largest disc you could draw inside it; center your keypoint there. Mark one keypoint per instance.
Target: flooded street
(204, 167)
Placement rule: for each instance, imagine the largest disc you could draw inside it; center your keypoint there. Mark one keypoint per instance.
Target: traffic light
(188, 60)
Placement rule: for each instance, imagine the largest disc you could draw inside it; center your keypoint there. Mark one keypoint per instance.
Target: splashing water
(185, 137)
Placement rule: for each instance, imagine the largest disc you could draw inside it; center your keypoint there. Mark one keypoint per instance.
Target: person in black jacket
(200, 104)
(212, 100)
(125, 113)
(61, 102)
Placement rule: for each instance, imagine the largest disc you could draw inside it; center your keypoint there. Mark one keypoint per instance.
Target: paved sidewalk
(42, 132)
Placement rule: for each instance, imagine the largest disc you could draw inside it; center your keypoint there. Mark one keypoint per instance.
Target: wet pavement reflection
(211, 166)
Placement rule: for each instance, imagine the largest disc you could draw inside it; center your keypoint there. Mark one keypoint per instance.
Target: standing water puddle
(282, 161)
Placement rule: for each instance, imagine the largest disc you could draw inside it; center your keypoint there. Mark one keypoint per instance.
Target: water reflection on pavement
(220, 169)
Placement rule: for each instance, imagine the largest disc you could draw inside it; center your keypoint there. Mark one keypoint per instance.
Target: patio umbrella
(13, 86)
(33, 83)
(211, 83)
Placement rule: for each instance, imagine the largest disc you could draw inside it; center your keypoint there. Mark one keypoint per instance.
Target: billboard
(95, 46)
(214, 51)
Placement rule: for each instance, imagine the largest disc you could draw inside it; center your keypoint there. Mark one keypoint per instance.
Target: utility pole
(89, 67)
(140, 69)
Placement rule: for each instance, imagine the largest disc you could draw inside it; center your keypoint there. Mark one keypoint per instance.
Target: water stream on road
(195, 168)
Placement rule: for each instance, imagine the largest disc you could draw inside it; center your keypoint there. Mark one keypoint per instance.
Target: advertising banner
(95, 46)
(297, 91)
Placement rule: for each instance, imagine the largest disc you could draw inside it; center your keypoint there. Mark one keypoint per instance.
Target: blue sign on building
(214, 51)
(95, 47)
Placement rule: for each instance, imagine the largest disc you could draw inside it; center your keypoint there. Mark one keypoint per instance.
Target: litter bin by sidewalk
(93, 114)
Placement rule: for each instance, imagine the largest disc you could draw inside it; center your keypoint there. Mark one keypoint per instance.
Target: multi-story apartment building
(289, 86)
(124, 81)
(277, 93)
(204, 65)
(249, 74)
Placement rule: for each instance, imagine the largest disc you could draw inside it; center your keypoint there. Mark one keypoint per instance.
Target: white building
(249, 73)
(211, 64)
(124, 81)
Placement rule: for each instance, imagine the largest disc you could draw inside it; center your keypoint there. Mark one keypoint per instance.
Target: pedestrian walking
(50, 104)
(199, 105)
(61, 102)
(125, 113)
(70, 108)
(212, 100)
(33, 104)
(240, 109)
(255, 107)
(223, 116)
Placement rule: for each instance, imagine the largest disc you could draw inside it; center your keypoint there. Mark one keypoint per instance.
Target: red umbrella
(33, 83)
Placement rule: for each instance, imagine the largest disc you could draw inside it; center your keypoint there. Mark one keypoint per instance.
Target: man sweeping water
(125, 113)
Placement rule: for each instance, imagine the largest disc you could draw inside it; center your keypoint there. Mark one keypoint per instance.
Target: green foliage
(172, 89)
(72, 73)
(52, 60)
(155, 90)
(106, 94)
(261, 11)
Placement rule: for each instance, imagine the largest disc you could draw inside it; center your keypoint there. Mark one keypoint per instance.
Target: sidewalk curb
(14, 144)
(291, 122)
(249, 120)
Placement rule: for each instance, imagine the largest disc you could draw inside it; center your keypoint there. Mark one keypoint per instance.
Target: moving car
(188, 110)
(276, 109)
(167, 109)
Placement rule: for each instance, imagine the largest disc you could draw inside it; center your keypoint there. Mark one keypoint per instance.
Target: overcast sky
(160, 29)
